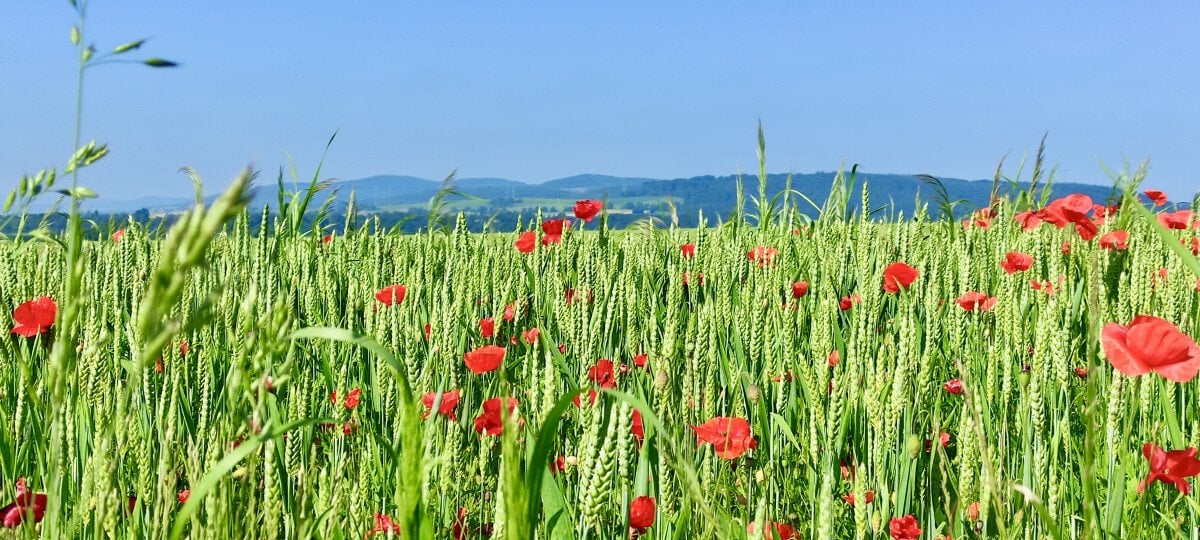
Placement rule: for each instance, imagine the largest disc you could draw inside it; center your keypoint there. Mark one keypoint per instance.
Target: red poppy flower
(641, 513)
(1028, 219)
(834, 358)
(848, 471)
(591, 394)
(1015, 261)
(775, 531)
(484, 359)
(428, 329)
(982, 218)
(586, 210)
(898, 276)
(392, 294)
(1195, 245)
(183, 496)
(352, 398)
(488, 422)
(1157, 197)
(1170, 467)
(904, 528)
(510, 312)
(1151, 344)
(526, 242)
(558, 465)
(1086, 229)
(688, 251)
(1180, 220)
(1102, 212)
(530, 336)
(26, 502)
(640, 360)
(327, 239)
(1066, 247)
(117, 235)
(555, 227)
(562, 348)
(570, 296)
(459, 527)
(1081, 372)
(973, 511)
(953, 386)
(602, 374)
(34, 317)
(446, 407)
(1115, 240)
(384, 525)
(1074, 207)
(848, 302)
(762, 255)
(799, 289)
(487, 327)
(868, 496)
(637, 428)
(976, 301)
(730, 437)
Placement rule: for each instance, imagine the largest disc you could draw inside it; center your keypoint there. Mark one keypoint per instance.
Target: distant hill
(714, 195)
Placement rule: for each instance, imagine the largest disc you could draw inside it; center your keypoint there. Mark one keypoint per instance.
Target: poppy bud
(660, 380)
(914, 446)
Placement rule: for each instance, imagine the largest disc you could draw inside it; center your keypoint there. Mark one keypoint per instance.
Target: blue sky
(536, 91)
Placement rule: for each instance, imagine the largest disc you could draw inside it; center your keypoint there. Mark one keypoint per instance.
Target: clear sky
(533, 91)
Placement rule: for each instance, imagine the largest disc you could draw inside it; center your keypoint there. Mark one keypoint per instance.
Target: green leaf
(214, 475)
(782, 425)
(159, 63)
(126, 47)
(1048, 521)
(538, 463)
(364, 341)
(1116, 502)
